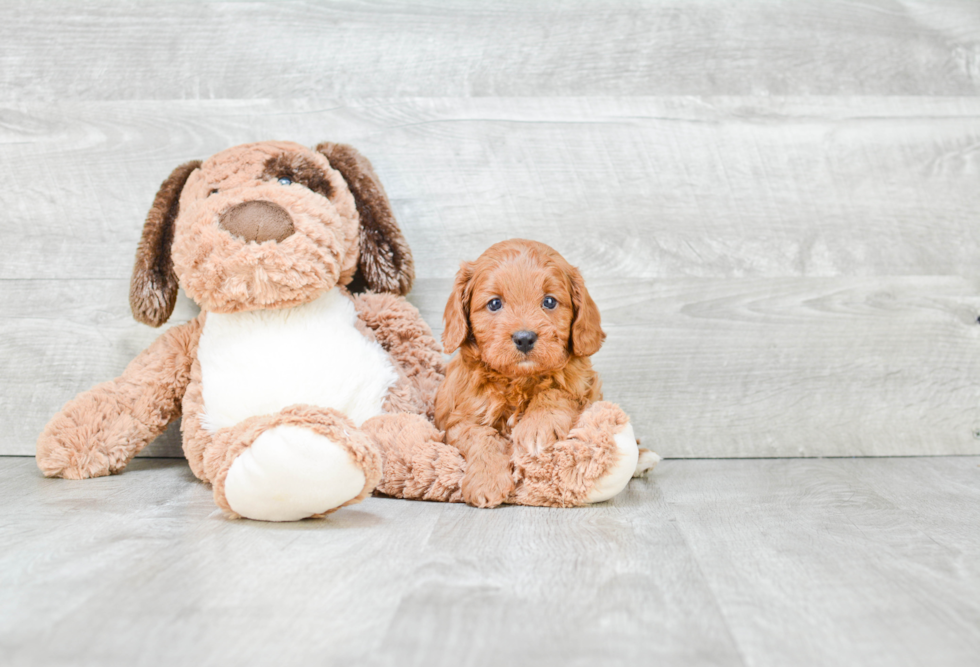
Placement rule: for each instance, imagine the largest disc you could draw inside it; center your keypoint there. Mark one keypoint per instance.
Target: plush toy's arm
(400, 330)
(100, 430)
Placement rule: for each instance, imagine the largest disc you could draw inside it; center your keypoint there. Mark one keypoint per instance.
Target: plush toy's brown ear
(587, 334)
(153, 288)
(457, 314)
(386, 262)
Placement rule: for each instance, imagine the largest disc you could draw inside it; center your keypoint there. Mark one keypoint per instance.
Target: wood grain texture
(792, 562)
(387, 582)
(774, 203)
(627, 187)
(59, 338)
(845, 553)
(790, 367)
(237, 50)
(705, 367)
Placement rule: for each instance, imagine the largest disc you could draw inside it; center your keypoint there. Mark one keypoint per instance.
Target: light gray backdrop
(775, 205)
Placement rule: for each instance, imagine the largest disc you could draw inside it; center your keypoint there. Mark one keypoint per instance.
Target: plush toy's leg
(302, 462)
(100, 430)
(417, 463)
(593, 464)
(647, 461)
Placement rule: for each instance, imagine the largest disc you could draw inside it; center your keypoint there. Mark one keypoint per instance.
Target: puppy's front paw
(537, 433)
(487, 486)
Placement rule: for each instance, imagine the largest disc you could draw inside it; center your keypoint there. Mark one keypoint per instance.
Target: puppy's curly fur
(503, 401)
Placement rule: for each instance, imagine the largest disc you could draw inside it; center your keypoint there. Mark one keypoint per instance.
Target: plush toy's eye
(550, 302)
(285, 181)
(495, 305)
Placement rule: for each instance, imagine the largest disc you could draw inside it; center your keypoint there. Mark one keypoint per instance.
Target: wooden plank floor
(725, 562)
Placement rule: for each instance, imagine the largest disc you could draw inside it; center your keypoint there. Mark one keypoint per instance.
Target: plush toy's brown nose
(258, 221)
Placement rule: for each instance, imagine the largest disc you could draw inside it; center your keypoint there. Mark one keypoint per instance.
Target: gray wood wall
(775, 204)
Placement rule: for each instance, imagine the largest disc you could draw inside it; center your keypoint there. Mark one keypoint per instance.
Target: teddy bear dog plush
(286, 376)
(307, 380)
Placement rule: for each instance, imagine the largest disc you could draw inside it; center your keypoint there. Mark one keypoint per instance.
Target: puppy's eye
(550, 302)
(213, 192)
(285, 181)
(495, 305)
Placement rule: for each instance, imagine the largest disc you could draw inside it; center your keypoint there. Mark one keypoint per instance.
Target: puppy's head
(267, 225)
(521, 309)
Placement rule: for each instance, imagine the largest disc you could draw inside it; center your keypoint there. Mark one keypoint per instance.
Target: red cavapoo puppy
(525, 326)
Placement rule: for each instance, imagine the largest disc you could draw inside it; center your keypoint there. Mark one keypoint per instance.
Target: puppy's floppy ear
(153, 288)
(587, 334)
(386, 263)
(457, 315)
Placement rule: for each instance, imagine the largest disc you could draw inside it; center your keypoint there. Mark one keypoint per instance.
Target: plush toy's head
(268, 225)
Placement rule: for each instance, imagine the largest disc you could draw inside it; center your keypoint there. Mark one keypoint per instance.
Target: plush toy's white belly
(259, 362)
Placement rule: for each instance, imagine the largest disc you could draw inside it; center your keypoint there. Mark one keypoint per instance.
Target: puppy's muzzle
(524, 340)
(258, 221)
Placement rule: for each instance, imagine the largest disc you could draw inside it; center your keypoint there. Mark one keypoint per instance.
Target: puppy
(525, 326)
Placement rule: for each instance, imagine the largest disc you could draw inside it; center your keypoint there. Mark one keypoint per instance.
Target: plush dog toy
(289, 385)
(521, 403)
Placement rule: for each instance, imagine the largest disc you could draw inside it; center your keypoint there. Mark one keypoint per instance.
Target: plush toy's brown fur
(236, 240)
(271, 227)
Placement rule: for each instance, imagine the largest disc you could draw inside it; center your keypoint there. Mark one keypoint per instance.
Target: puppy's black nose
(524, 340)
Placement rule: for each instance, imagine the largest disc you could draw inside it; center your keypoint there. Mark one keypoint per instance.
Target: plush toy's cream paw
(646, 462)
(619, 475)
(290, 473)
